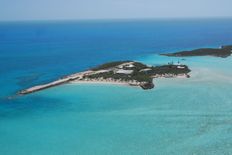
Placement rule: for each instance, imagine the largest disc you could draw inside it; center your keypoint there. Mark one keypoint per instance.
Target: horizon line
(117, 19)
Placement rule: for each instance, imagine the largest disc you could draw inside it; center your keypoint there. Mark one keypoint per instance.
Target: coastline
(100, 82)
(179, 116)
(125, 83)
(81, 78)
(131, 73)
(223, 52)
(170, 93)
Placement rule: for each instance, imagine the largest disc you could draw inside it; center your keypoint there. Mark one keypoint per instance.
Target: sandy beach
(99, 82)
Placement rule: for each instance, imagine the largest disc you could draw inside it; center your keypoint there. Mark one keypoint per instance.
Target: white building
(122, 71)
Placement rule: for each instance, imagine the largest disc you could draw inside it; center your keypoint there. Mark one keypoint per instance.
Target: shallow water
(180, 116)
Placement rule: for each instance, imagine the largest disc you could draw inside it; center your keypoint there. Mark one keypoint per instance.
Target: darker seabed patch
(25, 106)
(25, 80)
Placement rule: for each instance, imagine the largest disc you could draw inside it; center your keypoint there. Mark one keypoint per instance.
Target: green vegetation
(227, 47)
(223, 52)
(141, 72)
(142, 78)
(139, 66)
(135, 73)
(108, 75)
(169, 69)
(109, 65)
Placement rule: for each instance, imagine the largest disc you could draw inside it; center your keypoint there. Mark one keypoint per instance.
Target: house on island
(123, 71)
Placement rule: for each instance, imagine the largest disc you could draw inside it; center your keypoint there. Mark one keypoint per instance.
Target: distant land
(222, 52)
(133, 73)
(120, 72)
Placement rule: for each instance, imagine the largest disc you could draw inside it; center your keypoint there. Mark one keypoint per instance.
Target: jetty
(61, 81)
(120, 72)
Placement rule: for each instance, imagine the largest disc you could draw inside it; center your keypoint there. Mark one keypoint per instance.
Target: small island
(222, 52)
(120, 72)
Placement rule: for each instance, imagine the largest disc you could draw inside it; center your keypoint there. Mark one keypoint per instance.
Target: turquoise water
(180, 116)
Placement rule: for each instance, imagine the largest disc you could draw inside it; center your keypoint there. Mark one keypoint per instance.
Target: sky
(112, 9)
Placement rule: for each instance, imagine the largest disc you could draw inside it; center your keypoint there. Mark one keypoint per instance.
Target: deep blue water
(37, 52)
(41, 51)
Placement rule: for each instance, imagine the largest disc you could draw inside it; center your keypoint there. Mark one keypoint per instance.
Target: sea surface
(179, 117)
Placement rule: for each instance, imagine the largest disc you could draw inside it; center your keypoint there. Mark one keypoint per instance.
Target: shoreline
(99, 82)
(128, 73)
(223, 52)
(75, 79)
(125, 83)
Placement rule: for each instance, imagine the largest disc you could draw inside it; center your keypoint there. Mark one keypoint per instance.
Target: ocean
(179, 116)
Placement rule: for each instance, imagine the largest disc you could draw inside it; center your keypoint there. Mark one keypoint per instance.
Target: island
(120, 72)
(222, 52)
